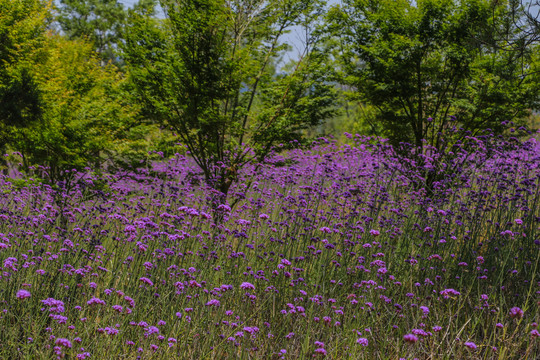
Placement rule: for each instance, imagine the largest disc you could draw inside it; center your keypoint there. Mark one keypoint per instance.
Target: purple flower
(146, 281)
(63, 342)
(246, 286)
(470, 345)
(95, 300)
(251, 329)
(446, 293)
(410, 338)
(362, 341)
(419, 332)
(111, 331)
(23, 294)
(151, 330)
(516, 312)
(285, 262)
(213, 302)
(130, 301)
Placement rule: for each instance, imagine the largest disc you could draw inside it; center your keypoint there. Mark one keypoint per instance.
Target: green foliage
(76, 107)
(98, 21)
(88, 119)
(353, 117)
(208, 71)
(60, 107)
(20, 98)
(21, 29)
(22, 25)
(420, 62)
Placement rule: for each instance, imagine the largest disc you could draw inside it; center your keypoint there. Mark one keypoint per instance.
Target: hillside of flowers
(332, 251)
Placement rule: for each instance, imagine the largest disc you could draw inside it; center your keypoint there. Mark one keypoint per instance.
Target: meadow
(333, 251)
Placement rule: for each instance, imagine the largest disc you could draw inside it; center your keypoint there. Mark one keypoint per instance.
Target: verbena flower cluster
(332, 251)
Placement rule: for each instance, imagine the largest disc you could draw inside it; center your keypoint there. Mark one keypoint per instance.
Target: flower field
(329, 252)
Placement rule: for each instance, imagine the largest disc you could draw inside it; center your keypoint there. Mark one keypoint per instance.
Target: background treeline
(92, 84)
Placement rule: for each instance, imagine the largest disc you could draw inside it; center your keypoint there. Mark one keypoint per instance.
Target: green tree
(207, 71)
(425, 63)
(60, 107)
(83, 110)
(98, 21)
(22, 26)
